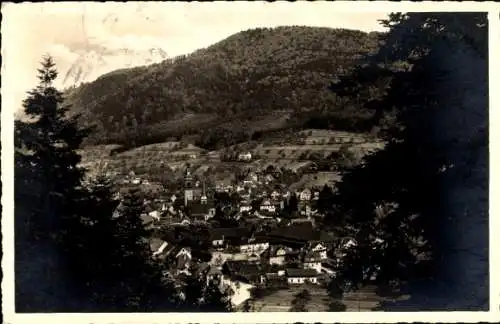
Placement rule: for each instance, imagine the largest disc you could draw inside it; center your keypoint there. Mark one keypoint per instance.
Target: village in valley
(222, 161)
(257, 234)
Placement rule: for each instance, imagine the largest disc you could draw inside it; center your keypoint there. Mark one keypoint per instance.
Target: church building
(192, 192)
(198, 205)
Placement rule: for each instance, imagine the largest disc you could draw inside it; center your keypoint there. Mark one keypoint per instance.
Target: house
(267, 206)
(269, 178)
(294, 235)
(301, 276)
(277, 254)
(330, 267)
(249, 272)
(275, 195)
(245, 208)
(214, 273)
(302, 220)
(117, 196)
(211, 214)
(217, 239)
(199, 210)
(251, 178)
(155, 215)
(245, 196)
(348, 243)
(254, 245)
(312, 261)
(321, 249)
(245, 156)
(147, 220)
(305, 195)
(306, 211)
(171, 210)
(183, 258)
(274, 279)
(157, 246)
(221, 237)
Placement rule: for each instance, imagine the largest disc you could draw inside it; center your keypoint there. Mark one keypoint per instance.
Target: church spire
(188, 186)
(204, 195)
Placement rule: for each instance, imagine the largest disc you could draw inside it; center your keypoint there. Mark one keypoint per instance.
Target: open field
(281, 301)
(363, 300)
(293, 151)
(174, 156)
(318, 179)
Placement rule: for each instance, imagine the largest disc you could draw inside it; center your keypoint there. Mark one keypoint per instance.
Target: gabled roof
(301, 232)
(229, 233)
(312, 256)
(243, 268)
(183, 261)
(214, 271)
(256, 240)
(301, 273)
(199, 209)
(273, 250)
(155, 243)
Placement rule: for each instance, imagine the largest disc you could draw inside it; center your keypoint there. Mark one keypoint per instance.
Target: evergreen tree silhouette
(48, 190)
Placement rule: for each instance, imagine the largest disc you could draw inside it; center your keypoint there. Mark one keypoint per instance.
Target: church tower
(204, 198)
(188, 186)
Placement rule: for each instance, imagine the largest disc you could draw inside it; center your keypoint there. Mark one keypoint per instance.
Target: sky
(68, 30)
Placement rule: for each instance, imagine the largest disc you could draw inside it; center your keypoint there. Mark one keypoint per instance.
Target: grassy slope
(158, 158)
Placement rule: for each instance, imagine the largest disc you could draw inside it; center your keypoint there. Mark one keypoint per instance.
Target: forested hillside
(235, 84)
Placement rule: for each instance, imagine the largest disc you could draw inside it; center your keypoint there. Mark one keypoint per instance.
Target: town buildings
(253, 236)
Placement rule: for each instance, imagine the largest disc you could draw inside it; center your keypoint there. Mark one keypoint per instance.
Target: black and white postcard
(250, 162)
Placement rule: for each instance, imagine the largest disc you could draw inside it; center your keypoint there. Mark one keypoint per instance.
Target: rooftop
(243, 267)
(291, 272)
(296, 232)
(229, 233)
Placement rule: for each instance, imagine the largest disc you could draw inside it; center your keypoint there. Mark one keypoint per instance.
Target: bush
(336, 306)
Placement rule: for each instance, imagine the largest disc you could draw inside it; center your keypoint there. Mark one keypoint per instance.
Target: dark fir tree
(215, 299)
(395, 203)
(293, 203)
(325, 199)
(47, 192)
(91, 260)
(192, 292)
(137, 278)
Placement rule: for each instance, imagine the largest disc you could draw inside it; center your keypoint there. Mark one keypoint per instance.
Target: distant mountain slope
(242, 78)
(98, 60)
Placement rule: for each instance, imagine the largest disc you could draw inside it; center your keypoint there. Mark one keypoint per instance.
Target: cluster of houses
(296, 254)
(289, 251)
(259, 198)
(272, 197)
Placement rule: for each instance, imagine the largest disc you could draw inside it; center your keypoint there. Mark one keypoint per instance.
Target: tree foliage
(48, 189)
(393, 202)
(77, 249)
